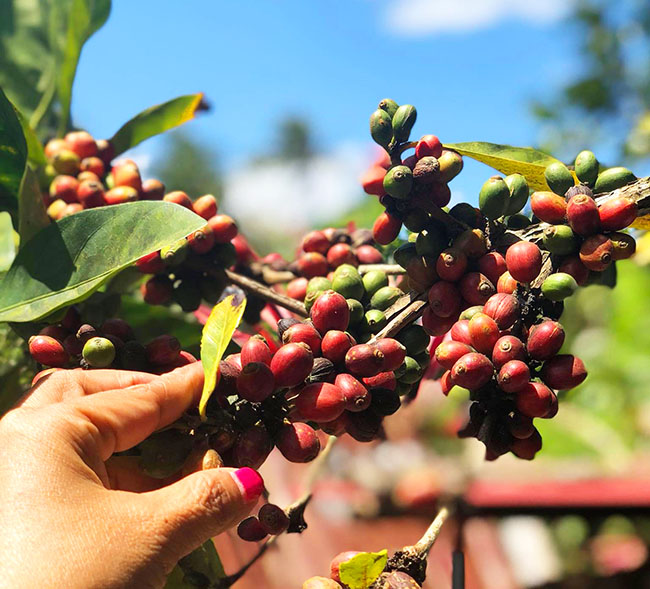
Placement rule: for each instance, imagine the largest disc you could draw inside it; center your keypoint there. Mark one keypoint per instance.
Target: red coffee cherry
(303, 333)
(475, 288)
(534, 399)
(64, 187)
(297, 288)
(251, 530)
(320, 583)
(150, 264)
(205, 206)
(472, 243)
(506, 349)
(364, 426)
(127, 174)
(524, 261)
(383, 380)
(520, 426)
(386, 228)
(451, 264)
(55, 331)
(91, 194)
(180, 198)
(298, 442)
(223, 227)
(506, 283)
(564, 371)
(291, 364)
(483, 332)
(337, 427)
(527, 448)
(624, 245)
(320, 401)
(357, 397)
(545, 340)
(48, 351)
(315, 241)
(435, 325)
(364, 360)
(312, 264)
(450, 351)
(597, 252)
(503, 308)
(255, 382)
(444, 299)
(162, 350)
(366, 254)
(493, 265)
(252, 447)
(372, 180)
(428, 145)
(582, 214)
(158, 290)
(555, 406)
(513, 376)
(273, 518)
(393, 351)
(256, 350)
(53, 146)
(120, 195)
(617, 213)
(82, 143)
(336, 563)
(446, 383)
(201, 241)
(472, 371)
(118, 328)
(548, 207)
(330, 311)
(341, 253)
(574, 267)
(336, 345)
(460, 332)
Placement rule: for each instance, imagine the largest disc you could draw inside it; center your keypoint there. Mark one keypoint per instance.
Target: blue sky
(471, 68)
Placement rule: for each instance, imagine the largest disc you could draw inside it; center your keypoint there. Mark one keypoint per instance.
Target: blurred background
(290, 86)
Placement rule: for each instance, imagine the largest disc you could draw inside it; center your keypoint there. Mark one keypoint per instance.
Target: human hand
(71, 517)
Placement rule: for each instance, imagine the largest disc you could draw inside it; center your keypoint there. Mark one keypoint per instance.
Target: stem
(406, 316)
(391, 269)
(424, 544)
(44, 103)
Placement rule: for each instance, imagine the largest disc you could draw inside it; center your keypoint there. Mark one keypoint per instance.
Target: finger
(70, 384)
(120, 419)
(125, 474)
(200, 506)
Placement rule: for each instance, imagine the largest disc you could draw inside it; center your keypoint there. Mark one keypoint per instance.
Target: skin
(72, 515)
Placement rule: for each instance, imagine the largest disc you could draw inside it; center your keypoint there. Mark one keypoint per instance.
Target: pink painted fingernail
(249, 482)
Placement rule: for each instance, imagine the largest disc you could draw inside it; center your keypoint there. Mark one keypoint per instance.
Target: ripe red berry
(251, 530)
(336, 344)
(460, 332)
(524, 261)
(291, 364)
(255, 382)
(476, 288)
(153, 190)
(127, 174)
(506, 283)
(506, 349)
(252, 447)
(435, 325)
(336, 563)
(513, 376)
(117, 327)
(372, 180)
(330, 311)
(617, 213)
(180, 198)
(158, 290)
(582, 214)
(534, 399)
(503, 308)
(394, 353)
(564, 371)
(64, 187)
(383, 380)
(493, 265)
(223, 227)
(341, 253)
(364, 360)
(273, 518)
(446, 383)
(55, 331)
(312, 264)
(357, 397)
(256, 350)
(451, 265)
(163, 349)
(386, 228)
(597, 252)
(444, 299)
(320, 401)
(202, 240)
(483, 332)
(48, 351)
(82, 143)
(205, 206)
(548, 207)
(298, 442)
(151, 263)
(303, 333)
(120, 195)
(545, 340)
(520, 426)
(297, 288)
(320, 583)
(449, 352)
(366, 254)
(527, 448)
(472, 371)
(428, 145)
(574, 267)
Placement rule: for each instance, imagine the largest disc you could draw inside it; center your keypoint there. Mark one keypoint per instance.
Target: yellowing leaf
(217, 333)
(642, 223)
(363, 569)
(509, 160)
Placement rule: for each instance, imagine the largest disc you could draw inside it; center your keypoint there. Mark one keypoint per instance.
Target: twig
(392, 269)
(407, 315)
(424, 544)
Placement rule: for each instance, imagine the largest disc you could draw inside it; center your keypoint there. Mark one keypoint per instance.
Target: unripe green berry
(403, 121)
(374, 320)
(519, 192)
(349, 285)
(381, 128)
(558, 177)
(560, 240)
(559, 286)
(586, 167)
(356, 311)
(175, 254)
(385, 297)
(405, 253)
(98, 352)
(389, 105)
(318, 284)
(612, 179)
(398, 182)
(373, 281)
(410, 371)
(493, 198)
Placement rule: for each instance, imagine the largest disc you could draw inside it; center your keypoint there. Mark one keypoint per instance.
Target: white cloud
(422, 17)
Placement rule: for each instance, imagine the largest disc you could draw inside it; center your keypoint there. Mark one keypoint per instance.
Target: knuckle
(207, 493)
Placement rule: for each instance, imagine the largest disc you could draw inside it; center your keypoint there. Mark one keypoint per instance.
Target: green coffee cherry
(164, 453)
(389, 105)
(423, 359)
(451, 164)
(373, 281)
(558, 177)
(356, 311)
(493, 198)
(98, 352)
(385, 297)
(188, 295)
(415, 219)
(374, 321)
(398, 182)
(519, 192)
(468, 214)
(318, 284)
(405, 253)
(470, 312)
(349, 285)
(431, 241)
(175, 254)
(310, 299)
(612, 179)
(559, 286)
(414, 339)
(586, 167)
(560, 240)
(403, 121)
(411, 371)
(403, 388)
(518, 221)
(381, 128)
(345, 269)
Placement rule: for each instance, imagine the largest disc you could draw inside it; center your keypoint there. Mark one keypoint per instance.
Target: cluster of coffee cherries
(72, 344)
(410, 188)
(387, 580)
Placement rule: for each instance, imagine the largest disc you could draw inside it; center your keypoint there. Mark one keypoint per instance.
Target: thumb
(202, 505)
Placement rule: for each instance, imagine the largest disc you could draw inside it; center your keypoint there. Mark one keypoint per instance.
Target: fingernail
(250, 483)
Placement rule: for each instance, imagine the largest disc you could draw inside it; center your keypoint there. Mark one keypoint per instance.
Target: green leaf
(35, 151)
(200, 568)
(217, 333)
(7, 244)
(13, 155)
(71, 258)
(509, 160)
(156, 120)
(363, 569)
(32, 216)
(85, 17)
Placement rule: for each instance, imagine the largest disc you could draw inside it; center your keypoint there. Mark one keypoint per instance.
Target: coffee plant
(343, 334)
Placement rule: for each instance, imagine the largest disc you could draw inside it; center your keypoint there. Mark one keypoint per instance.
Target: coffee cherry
(403, 120)
(506, 283)
(450, 351)
(252, 447)
(367, 254)
(55, 145)
(381, 129)
(312, 264)
(596, 252)
(445, 383)
(64, 187)
(320, 401)
(255, 382)
(364, 360)
(564, 371)
(298, 442)
(460, 332)
(291, 364)
(155, 190)
(98, 352)
(303, 333)
(201, 241)
(428, 145)
(256, 350)
(559, 286)
(426, 171)
(583, 215)
(624, 245)
(617, 213)
(520, 426)
(394, 352)
(435, 325)
(337, 560)
(527, 448)
(513, 376)
(396, 580)
(469, 312)
(475, 288)
(372, 180)
(483, 332)
(524, 261)
(398, 182)
(297, 288)
(66, 161)
(444, 299)
(127, 174)
(431, 241)
(120, 195)
(82, 143)
(348, 284)
(507, 349)
(545, 340)
(414, 339)
(560, 239)
(494, 197)
(534, 399)
(251, 530)
(117, 327)
(503, 308)
(385, 297)
(548, 207)
(492, 265)
(273, 518)
(315, 241)
(518, 193)
(384, 402)
(451, 264)
(586, 167)
(558, 177)
(71, 209)
(383, 380)
(55, 331)
(386, 228)
(320, 583)
(162, 350)
(330, 311)
(341, 253)
(451, 164)
(472, 371)
(336, 344)
(357, 397)
(613, 178)
(85, 332)
(223, 227)
(574, 267)
(48, 351)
